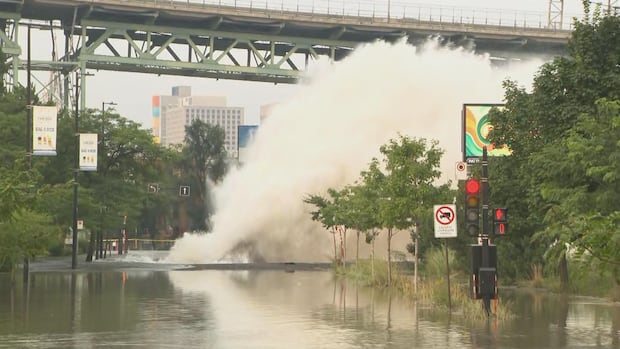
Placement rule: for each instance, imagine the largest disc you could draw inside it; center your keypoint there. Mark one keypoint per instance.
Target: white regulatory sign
(445, 221)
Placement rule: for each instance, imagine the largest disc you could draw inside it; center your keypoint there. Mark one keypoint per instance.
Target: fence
(385, 9)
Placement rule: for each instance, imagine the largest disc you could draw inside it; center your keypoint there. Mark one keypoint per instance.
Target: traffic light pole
(483, 282)
(486, 262)
(485, 193)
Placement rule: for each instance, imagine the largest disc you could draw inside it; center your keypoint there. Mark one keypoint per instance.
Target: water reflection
(273, 309)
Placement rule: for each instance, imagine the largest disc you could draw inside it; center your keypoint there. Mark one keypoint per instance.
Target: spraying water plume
(325, 135)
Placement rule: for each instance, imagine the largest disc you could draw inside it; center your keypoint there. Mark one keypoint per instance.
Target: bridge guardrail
(379, 10)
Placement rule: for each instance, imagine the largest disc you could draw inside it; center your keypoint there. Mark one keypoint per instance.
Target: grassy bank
(432, 290)
(581, 281)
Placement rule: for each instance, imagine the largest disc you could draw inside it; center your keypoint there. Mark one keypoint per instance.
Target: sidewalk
(114, 261)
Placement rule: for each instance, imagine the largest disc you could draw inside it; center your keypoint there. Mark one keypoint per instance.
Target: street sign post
(445, 227)
(445, 221)
(184, 190)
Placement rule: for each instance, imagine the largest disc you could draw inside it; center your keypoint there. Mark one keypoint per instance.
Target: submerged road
(133, 261)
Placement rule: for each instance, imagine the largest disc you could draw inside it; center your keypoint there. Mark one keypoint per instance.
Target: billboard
(476, 128)
(156, 111)
(246, 135)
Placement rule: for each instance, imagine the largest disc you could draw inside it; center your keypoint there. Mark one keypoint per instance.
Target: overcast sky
(133, 92)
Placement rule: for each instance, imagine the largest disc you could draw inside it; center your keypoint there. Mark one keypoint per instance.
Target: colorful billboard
(476, 128)
(246, 135)
(156, 111)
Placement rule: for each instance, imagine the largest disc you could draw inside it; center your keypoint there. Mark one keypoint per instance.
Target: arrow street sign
(445, 221)
(184, 190)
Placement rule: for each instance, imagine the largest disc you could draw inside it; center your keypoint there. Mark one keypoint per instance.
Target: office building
(171, 114)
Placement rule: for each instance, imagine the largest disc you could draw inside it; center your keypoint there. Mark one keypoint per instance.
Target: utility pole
(102, 151)
(26, 268)
(76, 170)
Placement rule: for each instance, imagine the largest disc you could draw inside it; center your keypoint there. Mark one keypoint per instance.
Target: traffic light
(472, 207)
(500, 221)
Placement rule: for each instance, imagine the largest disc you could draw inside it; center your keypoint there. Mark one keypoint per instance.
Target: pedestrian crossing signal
(500, 221)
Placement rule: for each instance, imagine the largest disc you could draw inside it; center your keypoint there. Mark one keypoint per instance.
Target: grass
(432, 290)
(581, 281)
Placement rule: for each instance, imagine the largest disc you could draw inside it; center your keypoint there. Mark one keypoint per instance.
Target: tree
(393, 194)
(204, 160)
(324, 213)
(586, 188)
(128, 160)
(360, 214)
(550, 193)
(400, 186)
(25, 233)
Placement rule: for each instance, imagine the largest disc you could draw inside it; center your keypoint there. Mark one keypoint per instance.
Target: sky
(132, 92)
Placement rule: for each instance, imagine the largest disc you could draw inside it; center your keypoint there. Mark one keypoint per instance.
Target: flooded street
(160, 307)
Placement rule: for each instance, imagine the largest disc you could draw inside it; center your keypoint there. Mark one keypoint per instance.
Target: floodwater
(157, 306)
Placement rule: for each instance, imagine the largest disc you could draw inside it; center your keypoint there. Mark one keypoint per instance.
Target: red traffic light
(472, 186)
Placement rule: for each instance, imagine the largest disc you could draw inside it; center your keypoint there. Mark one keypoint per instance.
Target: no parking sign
(445, 221)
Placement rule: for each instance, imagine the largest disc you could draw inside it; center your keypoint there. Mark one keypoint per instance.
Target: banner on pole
(88, 152)
(44, 121)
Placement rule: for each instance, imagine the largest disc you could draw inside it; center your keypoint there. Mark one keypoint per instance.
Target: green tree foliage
(561, 181)
(583, 190)
(128, 161)
(407, 192)
(326, 213)
(204, 159)
(393, 194)
(36, 204)
(25, 233)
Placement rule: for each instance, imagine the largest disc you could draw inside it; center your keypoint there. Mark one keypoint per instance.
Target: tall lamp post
(99, 252)
(76, 170)
(76, 165)
(103, 104)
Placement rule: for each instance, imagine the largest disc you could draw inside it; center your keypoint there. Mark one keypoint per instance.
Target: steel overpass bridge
(241, 39)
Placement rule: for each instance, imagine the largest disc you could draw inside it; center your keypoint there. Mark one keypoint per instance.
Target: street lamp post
(102, 151)
(76, 164)
(103, 104)
(76, 170)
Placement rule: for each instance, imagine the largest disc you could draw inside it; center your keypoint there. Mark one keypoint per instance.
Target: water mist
(329, 131)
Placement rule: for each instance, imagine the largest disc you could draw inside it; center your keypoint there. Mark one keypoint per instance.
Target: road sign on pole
(445, 221)
(460, 171)
(184, 190)
(152, 187)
